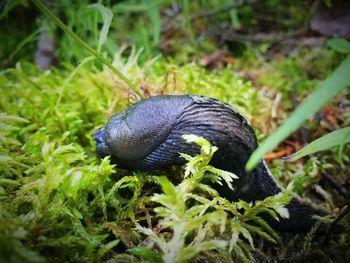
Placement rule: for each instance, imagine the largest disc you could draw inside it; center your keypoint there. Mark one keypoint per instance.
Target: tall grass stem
(84, 45)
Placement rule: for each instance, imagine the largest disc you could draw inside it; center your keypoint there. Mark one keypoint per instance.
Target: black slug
(148, 136)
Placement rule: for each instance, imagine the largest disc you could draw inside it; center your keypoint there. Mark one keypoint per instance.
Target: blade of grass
(233, 14)
(145, 40)
(145, 253)
(67, 80)
(7, 6)
(328, 89)
(154, 16)
(187, 22)
(107, 19)
(338, 137)
(128, 8)
(84, 45)
(24, 42)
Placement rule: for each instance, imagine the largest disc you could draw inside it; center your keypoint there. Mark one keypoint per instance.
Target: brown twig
(276, 155)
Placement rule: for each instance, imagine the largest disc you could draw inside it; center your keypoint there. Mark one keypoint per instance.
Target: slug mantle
(147, 136)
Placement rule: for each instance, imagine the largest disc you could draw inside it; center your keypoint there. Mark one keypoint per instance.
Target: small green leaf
(227, 176)
(189, 252)
(5, 158)
(46, 148)
(107, 19)
(196, 139)
(248, 236)
(146, 253)
(103, 250)
(154, 15)
(2, 190)
(77, 213)
(195, 210)
(167, 187)
(20, 233)
(5, 117)
(9, 181)
(340, 45)
(283, 212)
(260, 231)
(233, 240)
(328, 141)
(61, 150)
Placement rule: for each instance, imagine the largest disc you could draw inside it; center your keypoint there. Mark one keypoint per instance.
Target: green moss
(56, 195)
(52, 183)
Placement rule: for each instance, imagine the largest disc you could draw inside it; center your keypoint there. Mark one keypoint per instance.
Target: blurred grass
(329, 88)
(139, 22)
(336, 138)
(107, 16)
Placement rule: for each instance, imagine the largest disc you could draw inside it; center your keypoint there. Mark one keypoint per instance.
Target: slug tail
(301, 215)
(259, 184)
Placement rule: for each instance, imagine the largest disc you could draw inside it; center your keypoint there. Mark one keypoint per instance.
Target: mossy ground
(59, 202)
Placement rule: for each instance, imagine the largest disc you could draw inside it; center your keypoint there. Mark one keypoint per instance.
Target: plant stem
(67, 80)
(84, 45)
(187, 24)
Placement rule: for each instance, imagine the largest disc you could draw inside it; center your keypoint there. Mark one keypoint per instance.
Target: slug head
(133, 134)
(101, 146)
(108, 137)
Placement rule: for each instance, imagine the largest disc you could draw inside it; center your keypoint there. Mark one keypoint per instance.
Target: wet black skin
(147, 136)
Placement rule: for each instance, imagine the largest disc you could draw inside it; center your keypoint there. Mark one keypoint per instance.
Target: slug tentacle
(148, 135)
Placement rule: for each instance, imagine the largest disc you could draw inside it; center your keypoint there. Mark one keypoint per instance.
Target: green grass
(327, 90)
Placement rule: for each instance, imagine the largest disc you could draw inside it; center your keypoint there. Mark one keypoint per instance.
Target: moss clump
(56, 195)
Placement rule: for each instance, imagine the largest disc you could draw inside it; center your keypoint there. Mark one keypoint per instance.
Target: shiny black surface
(147, 136)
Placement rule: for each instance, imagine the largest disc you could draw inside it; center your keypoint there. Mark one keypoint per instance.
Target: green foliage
(195, 221)
(55, 194)
(145, 24)
(153, 13)
(107, 19)
(146, 254)
(340, 45)
(52, 194)
(336, 138)
(329, 88)
(303, 176)
(11, 165)
(84, 45)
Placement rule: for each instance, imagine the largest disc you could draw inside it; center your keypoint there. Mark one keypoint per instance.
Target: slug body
(147, 136)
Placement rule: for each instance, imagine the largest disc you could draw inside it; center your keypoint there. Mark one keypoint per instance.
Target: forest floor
(60, 202)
